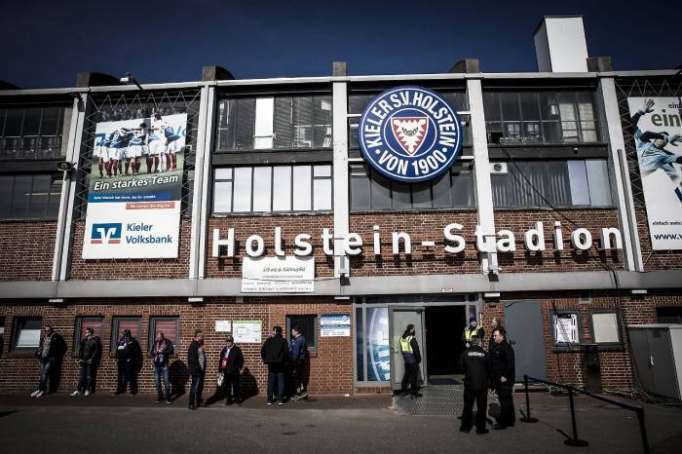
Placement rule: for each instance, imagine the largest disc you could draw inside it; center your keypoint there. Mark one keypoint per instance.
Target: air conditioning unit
(498, 168)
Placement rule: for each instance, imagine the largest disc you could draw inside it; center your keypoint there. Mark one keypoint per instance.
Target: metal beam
(340, 175)
(206, 182)
(197, 194)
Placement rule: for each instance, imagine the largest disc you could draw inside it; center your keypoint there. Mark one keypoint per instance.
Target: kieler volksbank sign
(410, 134)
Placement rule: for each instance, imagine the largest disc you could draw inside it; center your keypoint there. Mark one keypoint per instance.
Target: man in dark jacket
(274, 354)
(411, 358)
(297, 356)
(503, 373)
(474, 362)
(49, 353)
(161, 352)
(231, 365)
(127, 354)
(89, 355)
(196, 362)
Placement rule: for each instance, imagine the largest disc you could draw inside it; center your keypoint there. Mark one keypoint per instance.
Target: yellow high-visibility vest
(470, 332)
(405, 344)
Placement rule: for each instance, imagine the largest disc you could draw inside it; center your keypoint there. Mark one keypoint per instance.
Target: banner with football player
(658, 139)
(135, 188)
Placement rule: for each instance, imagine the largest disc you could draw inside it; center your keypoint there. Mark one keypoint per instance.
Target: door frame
(394, 349)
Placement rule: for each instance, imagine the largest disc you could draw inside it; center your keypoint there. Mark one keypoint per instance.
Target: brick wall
(331, 367)
(264, 226)
(129, 268)
(567, 260)
(654, 260)
(27, 250)
(421, 227)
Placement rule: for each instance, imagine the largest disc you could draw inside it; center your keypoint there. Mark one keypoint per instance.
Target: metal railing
(573, 439)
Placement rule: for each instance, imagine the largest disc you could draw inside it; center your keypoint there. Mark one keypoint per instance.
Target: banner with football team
(135, 188)
(658, 140)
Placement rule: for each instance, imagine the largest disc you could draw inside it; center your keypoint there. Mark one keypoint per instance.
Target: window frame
(78, 329)
(16, 321)
(254, 186)
(51, 210)
(312, 350)
(55, 140)
(115, 325)
(619, 345)
(566, 346)
(151, 334)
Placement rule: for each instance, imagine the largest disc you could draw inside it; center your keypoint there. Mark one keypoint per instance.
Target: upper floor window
(275, 123)
(544, 117)
(30, 196)
(552, 183)
(265, 189)
(31, 132)
(373, 192)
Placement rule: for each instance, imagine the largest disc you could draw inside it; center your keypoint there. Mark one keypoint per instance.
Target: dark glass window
(30, 196)
(31, 132)
(169, 326)
(546, 117)
(26, 333)
(552, 183)
(308, 325)
(275, 123)
(120, 324)
(83, 323)
(370, 191)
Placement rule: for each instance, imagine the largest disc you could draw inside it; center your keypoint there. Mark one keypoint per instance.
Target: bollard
(527, 417)
(575, 441)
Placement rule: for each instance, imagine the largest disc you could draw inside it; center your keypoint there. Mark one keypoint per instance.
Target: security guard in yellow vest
(472, 330)
(412, 358)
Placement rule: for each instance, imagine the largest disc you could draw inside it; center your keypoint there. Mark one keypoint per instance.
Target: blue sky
(45, 43)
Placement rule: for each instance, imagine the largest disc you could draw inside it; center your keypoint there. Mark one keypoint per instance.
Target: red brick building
(555, 147)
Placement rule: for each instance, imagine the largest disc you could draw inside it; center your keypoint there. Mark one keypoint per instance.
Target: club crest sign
(410, 134)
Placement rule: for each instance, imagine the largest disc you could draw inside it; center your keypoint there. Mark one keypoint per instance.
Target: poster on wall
(135, 188)
(334, 325)
(379, 350)
(290, 274)
(247, 331)
(658, 140)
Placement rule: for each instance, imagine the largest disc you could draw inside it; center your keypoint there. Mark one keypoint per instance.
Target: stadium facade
(257, 206)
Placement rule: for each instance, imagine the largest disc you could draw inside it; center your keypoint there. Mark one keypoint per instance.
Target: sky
(45, 43)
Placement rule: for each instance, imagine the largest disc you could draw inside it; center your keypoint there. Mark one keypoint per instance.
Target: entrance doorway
(444, 345)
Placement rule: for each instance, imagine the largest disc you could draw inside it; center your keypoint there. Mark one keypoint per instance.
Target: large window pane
(381, 192)
(400, 195)
(22, 195)
(598, 180)
(421, 195)
(244, 123)
(302, 188)
(222, 197)
(281, 197)
(264, 123)
(359, 188)
(441, 192)
(6, 183)
(262, 190)
(242, 189)
(31, 122)
(322, 194)
(510, 106)
(529, 106)
(40, 194)
(580, 191)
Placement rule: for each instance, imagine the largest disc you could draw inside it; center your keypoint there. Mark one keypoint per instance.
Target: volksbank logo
(410, 134)
(106, 233)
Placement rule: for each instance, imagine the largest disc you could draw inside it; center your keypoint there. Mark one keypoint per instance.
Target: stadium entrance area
(444, 344)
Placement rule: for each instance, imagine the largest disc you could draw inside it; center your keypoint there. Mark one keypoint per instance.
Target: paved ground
(105, 424)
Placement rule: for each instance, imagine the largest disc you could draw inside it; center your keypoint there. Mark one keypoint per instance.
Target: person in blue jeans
(161, 352)
(274, 353)
(298, 350)
(196, 362)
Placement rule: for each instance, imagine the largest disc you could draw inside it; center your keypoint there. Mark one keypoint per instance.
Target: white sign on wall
(289, 274)
(658, 139)
(566, 329)
(247, 331)
(334, 325)
(223, 326)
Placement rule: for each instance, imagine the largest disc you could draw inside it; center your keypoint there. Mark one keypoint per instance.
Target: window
(537, 184)
(555, 117)
(31, 133)
(26, 334)
(371, 191)
(250, 189)
(120, 324)
(275, 123)
(672, 314)
(357, 102)
(605, 328)
(30, 196)
(83, 323)
(308, 325)
(566, 329)
(169, 326)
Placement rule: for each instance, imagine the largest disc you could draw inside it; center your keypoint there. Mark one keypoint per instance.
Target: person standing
(474, 362)
(161, 353)
(274, 354)
(49, 354)
(472, 330)
(231, 365)
(88, 360)
(127, 352)
(411, 358)
(503, 373)
(297, 356)
(196, 361)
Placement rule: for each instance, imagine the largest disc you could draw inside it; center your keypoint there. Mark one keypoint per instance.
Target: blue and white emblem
(410, 134)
